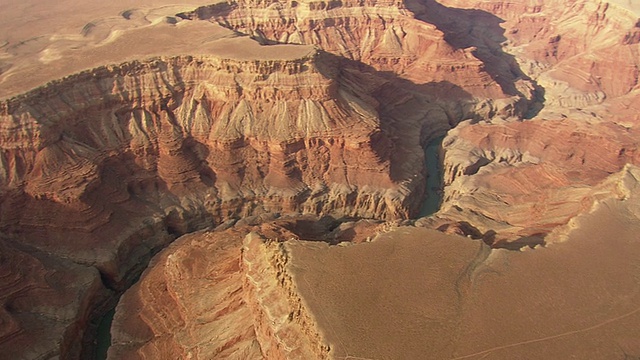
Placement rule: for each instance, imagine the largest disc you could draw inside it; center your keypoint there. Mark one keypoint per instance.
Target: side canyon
(248, 180)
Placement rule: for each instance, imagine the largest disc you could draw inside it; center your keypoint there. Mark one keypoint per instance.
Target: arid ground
(373, 179)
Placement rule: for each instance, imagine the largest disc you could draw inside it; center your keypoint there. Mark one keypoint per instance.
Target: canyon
(320, 179)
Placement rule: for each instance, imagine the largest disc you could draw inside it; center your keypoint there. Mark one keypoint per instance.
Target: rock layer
(524, 179)
(215, 295)
(46, 304)
(308, 299)
(189, 304)
(388, 35)
(105, 167)
(154, 142)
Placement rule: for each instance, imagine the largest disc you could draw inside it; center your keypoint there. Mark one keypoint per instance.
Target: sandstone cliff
(204, 297)
(311, 300)
(46, 304)
(391, 36)
(153, 141)
(107, 166)
(581, 51)
(524, 179)
(103, 168)
(188, 304)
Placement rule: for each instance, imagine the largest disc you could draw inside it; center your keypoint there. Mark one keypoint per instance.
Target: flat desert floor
(419, 294)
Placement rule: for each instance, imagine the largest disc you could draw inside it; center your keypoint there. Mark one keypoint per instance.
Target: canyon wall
(390, 36)
(524, 179)
(108, 166)
(103, 168)
(517, 181)
(215, 295)
(176, 144)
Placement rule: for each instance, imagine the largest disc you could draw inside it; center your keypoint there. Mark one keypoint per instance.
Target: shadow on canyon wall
(466, 28)
(462, 29)
(491, 238)
(125, 188)
(404, 109)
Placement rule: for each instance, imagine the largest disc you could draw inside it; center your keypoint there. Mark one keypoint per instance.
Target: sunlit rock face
(203, 127)
(179, 143)
(522, 180)
(397, 37)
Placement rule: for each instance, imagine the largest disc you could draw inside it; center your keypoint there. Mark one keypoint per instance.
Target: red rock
(189, 303)
(45, 303)
(105, 166)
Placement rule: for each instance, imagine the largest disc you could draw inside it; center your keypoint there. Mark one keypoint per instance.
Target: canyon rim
(267, 179)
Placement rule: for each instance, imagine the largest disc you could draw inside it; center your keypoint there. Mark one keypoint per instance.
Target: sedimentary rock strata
(308, 299)
(151, 140)
(222, 294)
(389, 36)
(190, 304)
(465, 301)
(113, 145)
(524, 179)
(46, 304)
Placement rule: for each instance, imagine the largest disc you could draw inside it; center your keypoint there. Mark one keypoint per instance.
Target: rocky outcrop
(514, 182)
(388, 35)
(189, 304)
(103, 168)
(581, 52)
(285, 328)
(574, 298)
(213, 295)
(107, 166)
(308, 299)
(45, 303)
(155, 142)
(524, 179)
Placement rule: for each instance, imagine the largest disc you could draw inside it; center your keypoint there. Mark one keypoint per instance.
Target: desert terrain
(408, 179)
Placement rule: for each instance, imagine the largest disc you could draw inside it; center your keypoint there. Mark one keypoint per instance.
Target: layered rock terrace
(323, 108)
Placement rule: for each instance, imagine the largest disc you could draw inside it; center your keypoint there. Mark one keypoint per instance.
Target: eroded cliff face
(522, 180)
(397, 37)
(46, 303)
(104, 168)
(189, 303)
(581, 52)
(224, 294)
(285, 329)
(264, 290)
(184, 143)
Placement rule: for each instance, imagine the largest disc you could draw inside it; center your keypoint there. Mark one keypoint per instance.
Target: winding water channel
(431, 204)
(103, 336)
(433, 197)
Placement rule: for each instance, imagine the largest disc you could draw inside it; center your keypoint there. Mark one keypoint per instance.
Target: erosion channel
(430, 205)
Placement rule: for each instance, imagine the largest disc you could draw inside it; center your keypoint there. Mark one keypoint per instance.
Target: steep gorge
(108, 166)
(102, 169)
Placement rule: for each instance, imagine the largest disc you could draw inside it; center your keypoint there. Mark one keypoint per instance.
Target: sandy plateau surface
(270, 157)
(419, 294)
(40, 43)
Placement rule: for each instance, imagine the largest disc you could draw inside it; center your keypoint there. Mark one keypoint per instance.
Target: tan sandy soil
(397, 297)
(411, 293)
(418, 294)
(38, 44)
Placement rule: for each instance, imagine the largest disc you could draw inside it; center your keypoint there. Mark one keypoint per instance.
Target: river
(431, 205)
(433, 192)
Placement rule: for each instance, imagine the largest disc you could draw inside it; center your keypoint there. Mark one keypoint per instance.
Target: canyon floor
(407, 179)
